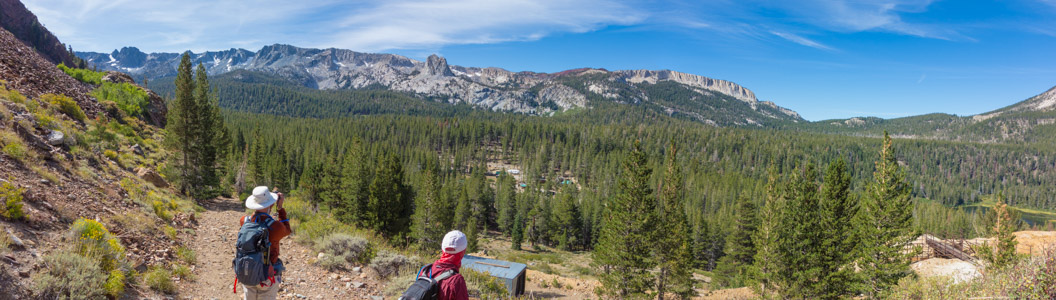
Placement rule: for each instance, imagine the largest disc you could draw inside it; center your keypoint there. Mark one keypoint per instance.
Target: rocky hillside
(1029, 121)
(696, 97)
(15, 18)
(80, 201)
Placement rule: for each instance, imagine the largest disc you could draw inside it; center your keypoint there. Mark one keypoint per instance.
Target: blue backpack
(252, 251)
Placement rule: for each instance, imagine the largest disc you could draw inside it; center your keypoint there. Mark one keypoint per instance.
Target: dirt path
(214, 244)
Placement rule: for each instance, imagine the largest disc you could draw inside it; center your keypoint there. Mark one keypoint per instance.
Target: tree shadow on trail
(223, 204)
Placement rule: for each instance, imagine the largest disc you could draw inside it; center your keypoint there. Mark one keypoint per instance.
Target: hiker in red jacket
(453, 247)
(261, 202)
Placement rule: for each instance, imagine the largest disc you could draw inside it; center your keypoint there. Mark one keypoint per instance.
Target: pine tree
(801, 235)
(766, 239)
(838, 244)
(672, 250)
(428, 229)
(462, 210)
(1003, 253)
(567, 226)
(181, 122)
(355, 181)
(390, 199)
(505, 201)
(473, 234)
(624, 247)
(885, 225)
(736, 267)
(196, 134)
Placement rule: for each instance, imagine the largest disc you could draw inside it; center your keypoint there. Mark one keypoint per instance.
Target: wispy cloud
(370, 25)
(416, 24)
(801, 40)
(922, 77)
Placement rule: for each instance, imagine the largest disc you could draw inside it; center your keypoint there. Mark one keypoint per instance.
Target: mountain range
(703, 99)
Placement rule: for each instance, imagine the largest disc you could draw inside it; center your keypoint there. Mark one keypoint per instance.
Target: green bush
(65, 105)
(11, 201)
(183, 272)
(83, 75)
(489, 286)
(343, 250)
(187, 255)
(93, 240)
(161, 209)
(160, 279)
(115, 284)
(16, 150)
(129, 98)
(389, 263)
(70, 276)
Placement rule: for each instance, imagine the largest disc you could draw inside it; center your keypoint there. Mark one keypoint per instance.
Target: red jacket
(454, 287)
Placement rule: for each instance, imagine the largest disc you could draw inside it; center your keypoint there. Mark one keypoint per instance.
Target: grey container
(510, 273)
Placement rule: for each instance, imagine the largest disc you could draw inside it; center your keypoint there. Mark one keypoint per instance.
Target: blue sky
(824, 59)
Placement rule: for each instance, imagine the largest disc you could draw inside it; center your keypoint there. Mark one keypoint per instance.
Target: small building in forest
(511, 274)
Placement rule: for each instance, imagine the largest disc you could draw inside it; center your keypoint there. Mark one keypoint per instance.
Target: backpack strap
(445, 275)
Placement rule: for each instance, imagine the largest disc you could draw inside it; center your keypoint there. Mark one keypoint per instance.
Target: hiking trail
(214, 241)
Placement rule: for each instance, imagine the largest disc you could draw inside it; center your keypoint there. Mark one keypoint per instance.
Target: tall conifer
(837, 209)
(672, 250)
(885, 225)
(626, 241)
(767, 237)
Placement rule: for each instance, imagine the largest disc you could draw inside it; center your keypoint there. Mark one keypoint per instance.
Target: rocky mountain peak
(437, 66)
(130, 57)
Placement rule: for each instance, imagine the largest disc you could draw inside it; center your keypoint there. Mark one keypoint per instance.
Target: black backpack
(427, 286)
(252, 250)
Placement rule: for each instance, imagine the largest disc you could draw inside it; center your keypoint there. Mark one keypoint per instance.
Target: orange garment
(277, 231)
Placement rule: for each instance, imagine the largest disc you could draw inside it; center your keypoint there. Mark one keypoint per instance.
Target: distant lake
(1027, 217)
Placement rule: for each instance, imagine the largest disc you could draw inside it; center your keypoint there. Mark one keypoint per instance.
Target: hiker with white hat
(444, 271)
(257, 264)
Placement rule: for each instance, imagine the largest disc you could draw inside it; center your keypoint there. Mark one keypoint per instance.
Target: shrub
(161, 210)
(160, 279)
(343, 250)
(83, 75)
(187, 255)
(11, 201)
(389, 263)
(93, 240)
(489, 286)
(115, 283)
(170, 232)
(183, 272)
(317, 227)
(70, 276)
(134, 190)
(129, 98)
(16, 150)
(66, 105)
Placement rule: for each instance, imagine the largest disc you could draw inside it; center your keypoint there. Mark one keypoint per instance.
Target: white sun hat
(454, 242)
(261, 198)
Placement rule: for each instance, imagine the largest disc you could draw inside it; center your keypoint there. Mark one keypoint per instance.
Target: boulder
(156, 109)
(56, 138)
(152, 177)
(118, 77)
(138, 150)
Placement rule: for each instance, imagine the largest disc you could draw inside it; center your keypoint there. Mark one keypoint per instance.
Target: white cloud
(430, 23)
(858, 16)
(801, 40)
(366, 25)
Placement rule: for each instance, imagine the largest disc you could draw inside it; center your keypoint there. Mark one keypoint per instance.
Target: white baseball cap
(261, 198)
(454, 242)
